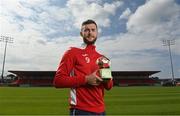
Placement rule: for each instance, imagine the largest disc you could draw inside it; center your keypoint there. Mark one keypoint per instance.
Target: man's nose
(90, 31)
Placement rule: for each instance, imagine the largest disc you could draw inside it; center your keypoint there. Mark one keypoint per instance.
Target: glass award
(104, 68)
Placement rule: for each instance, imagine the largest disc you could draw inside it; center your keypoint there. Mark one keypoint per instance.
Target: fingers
(93, 79)
(94, 73)
(98, 79)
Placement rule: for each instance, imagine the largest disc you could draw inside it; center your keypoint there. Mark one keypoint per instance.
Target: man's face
(89, 33)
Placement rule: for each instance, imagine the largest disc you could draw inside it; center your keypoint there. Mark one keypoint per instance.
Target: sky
(130, 33)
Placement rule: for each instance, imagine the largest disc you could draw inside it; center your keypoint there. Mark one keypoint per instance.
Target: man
(78, 70)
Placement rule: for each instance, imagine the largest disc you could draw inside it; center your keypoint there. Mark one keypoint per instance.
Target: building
(134, 78)
(120, 78)
(33, 78)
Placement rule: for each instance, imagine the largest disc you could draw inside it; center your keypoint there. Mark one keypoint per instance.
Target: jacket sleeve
(108, 85)
(62, 77)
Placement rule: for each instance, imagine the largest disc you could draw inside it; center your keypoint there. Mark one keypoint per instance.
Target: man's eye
(86, 30)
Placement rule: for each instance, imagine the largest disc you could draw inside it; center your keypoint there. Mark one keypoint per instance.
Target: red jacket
(74, 66)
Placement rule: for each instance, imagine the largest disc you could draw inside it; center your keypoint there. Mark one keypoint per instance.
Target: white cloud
(137, 49)
(155, 15)
(30, 50)
(82, 10)
(132, 52)
(126, 14)
(140, 48)
(54, 13)
(156, 21)
(20, 7)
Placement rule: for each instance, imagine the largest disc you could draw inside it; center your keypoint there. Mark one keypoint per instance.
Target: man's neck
(84, 45)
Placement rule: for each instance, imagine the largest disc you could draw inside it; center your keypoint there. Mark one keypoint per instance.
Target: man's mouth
(91, 37)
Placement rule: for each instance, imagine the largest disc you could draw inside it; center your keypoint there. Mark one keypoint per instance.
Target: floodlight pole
(169, 43)
(5, 39)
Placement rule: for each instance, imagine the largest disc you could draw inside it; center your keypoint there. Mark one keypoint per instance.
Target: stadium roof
(52, 73)
(132, 73)
(33, 73)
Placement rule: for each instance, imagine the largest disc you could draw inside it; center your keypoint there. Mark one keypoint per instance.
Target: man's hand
(93, 79)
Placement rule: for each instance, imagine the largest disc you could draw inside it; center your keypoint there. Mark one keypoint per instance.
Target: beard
(89, 42)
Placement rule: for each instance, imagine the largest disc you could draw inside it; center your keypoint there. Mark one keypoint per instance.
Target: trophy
(104, 68)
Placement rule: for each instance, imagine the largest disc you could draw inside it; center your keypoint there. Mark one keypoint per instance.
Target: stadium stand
(120, 78)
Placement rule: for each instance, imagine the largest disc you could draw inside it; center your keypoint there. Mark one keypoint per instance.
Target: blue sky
(130, 32)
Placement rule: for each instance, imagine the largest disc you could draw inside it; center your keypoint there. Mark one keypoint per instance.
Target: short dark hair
(89, 21)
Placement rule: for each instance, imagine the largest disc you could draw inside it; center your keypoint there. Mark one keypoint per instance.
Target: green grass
(19, 100)
(120, 100)
(144, 101)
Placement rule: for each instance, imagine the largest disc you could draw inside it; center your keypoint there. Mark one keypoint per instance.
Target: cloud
(33, 24)
(140, 48)
(52, 20)
(155, 16)
(126, 14)
(43, 30)
(82, 10)
(156, 21)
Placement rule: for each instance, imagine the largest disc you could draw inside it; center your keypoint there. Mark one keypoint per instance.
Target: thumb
(95, 72)
(99, 79)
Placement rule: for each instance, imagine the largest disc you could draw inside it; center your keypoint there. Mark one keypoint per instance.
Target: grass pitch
(119, 101)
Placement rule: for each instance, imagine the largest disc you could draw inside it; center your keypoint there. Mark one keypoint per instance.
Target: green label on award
(105, 73)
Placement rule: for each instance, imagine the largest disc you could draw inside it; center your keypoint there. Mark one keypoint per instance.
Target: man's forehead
(92, 25)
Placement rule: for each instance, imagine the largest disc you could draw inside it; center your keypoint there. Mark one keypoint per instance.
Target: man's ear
(81, 34)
